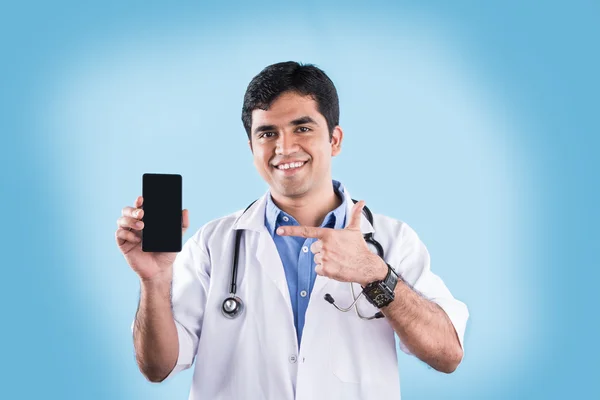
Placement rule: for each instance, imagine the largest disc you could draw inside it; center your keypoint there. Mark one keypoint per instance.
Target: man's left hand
(342, 254)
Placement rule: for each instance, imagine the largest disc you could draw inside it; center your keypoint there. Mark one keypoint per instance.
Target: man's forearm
(424, 328)
(155, 335)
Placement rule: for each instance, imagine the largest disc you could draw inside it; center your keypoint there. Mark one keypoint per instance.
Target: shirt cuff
(458, 313)
(185, 358)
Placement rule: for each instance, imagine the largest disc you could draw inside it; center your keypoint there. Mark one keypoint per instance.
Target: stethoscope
(234, 306)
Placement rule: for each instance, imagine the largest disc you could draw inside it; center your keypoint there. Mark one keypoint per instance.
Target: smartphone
(162, 212)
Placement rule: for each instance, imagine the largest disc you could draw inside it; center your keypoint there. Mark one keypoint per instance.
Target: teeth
(290, 165)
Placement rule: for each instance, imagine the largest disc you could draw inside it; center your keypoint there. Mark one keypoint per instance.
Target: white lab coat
(256, 355)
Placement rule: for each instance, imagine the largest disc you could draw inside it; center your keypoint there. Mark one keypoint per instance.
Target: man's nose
(286, 144)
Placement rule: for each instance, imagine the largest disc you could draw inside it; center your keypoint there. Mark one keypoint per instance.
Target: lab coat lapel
(269, 260)
(266, 251)
(365, 227)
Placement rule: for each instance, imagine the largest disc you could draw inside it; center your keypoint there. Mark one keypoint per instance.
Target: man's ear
(336, 141)
(250, 144)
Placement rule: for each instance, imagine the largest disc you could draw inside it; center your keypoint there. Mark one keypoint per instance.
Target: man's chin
(293, 189)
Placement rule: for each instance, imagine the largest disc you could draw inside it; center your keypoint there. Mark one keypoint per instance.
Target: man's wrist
(160, 281)
(378, 270)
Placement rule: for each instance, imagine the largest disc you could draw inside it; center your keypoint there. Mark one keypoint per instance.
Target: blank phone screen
(162, 212)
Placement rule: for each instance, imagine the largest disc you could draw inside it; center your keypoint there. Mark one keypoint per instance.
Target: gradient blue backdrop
(476, 124)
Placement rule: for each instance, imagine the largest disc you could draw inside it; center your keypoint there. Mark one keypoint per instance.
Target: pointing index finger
(303, 231)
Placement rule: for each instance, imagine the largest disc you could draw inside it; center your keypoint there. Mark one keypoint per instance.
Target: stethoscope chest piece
(232, 307)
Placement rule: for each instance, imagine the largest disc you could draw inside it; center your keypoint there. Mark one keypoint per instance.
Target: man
(301, 242)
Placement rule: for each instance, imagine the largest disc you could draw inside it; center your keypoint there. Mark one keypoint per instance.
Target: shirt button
(303, 293)
(293, 359)
(286, 219)
(305, 249)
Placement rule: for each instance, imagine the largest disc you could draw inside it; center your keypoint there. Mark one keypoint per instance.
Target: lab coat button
(293, 359)
(303, 293)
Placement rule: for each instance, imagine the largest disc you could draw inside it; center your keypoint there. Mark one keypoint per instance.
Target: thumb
(185, 220)
(354, 222)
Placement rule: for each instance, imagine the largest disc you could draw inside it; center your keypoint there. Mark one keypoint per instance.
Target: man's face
(291, 146)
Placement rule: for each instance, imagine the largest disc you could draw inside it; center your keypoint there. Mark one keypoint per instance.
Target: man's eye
(267, 134)
(303, 129)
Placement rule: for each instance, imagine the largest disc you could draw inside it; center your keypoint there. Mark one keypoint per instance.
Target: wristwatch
(381, 293)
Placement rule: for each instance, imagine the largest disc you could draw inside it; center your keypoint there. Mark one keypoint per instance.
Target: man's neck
(309, 210)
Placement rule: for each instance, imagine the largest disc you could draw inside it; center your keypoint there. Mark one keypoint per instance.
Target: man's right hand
(149, 266)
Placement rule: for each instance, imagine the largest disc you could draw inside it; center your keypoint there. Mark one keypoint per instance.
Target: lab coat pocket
(360, 351)
(347, 359)
(341, 365)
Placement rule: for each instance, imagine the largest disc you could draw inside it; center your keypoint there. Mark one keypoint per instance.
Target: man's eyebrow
(298, 121)
(264, 128)
(303, 120)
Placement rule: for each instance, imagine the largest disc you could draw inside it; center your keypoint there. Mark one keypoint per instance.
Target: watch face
(378, 295)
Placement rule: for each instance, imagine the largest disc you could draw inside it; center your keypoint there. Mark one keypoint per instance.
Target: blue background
(475, 124)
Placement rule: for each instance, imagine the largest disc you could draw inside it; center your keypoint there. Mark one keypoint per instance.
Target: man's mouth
(290, 166)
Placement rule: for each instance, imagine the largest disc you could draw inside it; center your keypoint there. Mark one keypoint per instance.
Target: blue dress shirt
(297, 259)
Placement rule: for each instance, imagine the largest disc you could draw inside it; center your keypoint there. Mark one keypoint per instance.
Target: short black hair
(291, 76)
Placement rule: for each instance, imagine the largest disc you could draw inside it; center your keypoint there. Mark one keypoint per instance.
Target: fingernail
(279, 231)
(138, 224)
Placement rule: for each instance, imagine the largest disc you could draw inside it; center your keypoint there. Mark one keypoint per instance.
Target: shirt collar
(274, 215)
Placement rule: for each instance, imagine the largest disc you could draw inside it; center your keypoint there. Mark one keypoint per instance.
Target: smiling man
(248, 298)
